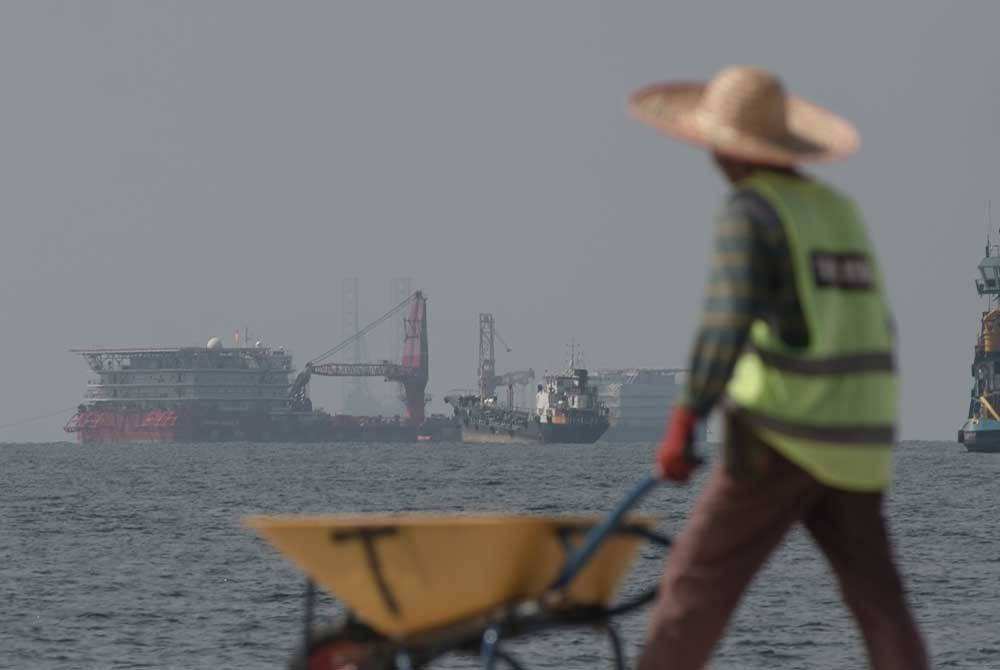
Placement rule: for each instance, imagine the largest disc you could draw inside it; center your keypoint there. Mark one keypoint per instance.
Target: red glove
(675, 459)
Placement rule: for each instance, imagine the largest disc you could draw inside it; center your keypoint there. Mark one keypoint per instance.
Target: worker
(796, 343)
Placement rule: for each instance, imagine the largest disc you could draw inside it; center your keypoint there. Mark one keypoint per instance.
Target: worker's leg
(733, 528)
(851, 531)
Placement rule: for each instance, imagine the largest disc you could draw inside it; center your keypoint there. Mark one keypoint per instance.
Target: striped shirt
(751, 278)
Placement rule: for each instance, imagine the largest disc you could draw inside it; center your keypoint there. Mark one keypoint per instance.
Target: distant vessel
(567, 411)
(216, 393)
(981, 430)
(566, 407)
(638, 401)
(211, 394)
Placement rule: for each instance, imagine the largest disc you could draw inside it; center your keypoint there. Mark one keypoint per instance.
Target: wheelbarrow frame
(483, 635)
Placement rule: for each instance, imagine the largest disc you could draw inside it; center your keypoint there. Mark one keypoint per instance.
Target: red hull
(101, 426)
(144, 426)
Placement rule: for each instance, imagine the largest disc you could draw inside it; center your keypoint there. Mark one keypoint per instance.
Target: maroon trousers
(734, 527)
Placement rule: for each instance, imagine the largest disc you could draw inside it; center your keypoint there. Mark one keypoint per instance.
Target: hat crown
(746, 99)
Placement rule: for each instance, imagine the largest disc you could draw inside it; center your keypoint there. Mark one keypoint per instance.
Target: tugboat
(567, 411)
(981, 430)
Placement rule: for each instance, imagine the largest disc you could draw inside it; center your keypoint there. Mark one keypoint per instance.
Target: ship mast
(575, 355)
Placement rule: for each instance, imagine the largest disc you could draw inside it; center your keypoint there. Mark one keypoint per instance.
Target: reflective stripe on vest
(868, 362)
(830, 407)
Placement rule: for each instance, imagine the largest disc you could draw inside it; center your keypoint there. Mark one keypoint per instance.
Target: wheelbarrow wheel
(344, 645)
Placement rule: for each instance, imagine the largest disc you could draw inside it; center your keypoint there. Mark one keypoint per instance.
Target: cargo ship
(981, 430)
(216, 393)
(566, 408)
(567, 411)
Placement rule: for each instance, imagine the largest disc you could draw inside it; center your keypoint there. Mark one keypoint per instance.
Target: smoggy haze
(171, 171)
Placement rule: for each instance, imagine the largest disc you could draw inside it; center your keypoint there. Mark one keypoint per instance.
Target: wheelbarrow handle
(599, 533)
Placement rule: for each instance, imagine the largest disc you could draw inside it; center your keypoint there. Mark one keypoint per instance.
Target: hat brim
(814, 134)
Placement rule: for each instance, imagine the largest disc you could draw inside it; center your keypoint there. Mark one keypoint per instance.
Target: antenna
(989, 227)
(573, 356)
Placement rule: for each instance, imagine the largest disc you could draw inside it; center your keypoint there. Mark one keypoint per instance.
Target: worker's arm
(751, 278)
(742, 285)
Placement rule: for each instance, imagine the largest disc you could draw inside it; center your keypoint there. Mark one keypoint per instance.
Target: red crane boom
(411, 372)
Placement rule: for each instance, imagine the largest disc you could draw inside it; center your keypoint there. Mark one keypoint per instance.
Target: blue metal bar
(597, 535)
(488, 650)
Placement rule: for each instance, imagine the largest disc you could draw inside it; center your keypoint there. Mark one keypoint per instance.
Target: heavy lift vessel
(217, 394)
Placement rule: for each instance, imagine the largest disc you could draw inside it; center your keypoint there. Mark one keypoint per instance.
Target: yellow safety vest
(829, 407)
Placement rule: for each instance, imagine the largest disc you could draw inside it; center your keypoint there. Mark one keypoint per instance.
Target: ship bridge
(989, 270)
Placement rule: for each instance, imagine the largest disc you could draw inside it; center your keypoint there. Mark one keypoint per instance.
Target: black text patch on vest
(851, 271)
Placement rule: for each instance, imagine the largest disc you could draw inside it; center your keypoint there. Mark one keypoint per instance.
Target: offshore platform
(248, 393)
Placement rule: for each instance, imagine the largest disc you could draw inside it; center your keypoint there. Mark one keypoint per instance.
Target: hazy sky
(171, 171)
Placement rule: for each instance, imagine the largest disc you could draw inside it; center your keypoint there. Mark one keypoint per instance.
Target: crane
(499, 337)
(411, 373)
(489, 380)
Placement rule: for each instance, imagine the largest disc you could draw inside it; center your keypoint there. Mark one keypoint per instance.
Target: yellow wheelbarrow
(417, 586)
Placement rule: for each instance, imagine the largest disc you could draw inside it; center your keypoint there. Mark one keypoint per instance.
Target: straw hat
(743, 112)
